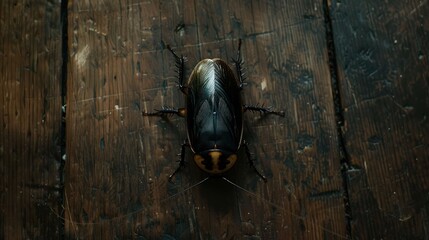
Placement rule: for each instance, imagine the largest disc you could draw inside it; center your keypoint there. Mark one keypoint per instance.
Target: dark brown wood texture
(382, 52)
(118, 162)
(30, 108)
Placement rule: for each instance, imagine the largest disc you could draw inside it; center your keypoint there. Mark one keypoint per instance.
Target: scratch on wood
(405, 109)
(264, 84)
(82, 56)
(140, 3)
(117, 108)
(260, 34)
(419, 6)
(177, 7)
(295, 108)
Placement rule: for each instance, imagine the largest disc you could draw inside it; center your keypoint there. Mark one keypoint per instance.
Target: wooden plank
(118, 162)
(114, 69)
(279, 48)
(30, 106)
(382, 53)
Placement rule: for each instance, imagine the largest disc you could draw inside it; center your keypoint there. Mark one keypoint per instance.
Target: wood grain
(382, 52)
(30, 106)
(118, 161)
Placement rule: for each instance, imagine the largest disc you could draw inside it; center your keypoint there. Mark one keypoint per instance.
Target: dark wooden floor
(349, 161)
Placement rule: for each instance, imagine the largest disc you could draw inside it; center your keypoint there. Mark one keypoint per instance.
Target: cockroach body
(214, 114)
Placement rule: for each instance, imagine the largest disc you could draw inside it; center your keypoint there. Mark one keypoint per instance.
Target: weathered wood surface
(382, 52)
(30, 109)
(118, 161)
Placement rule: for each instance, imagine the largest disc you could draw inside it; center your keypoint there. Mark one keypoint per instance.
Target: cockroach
(214, 113)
